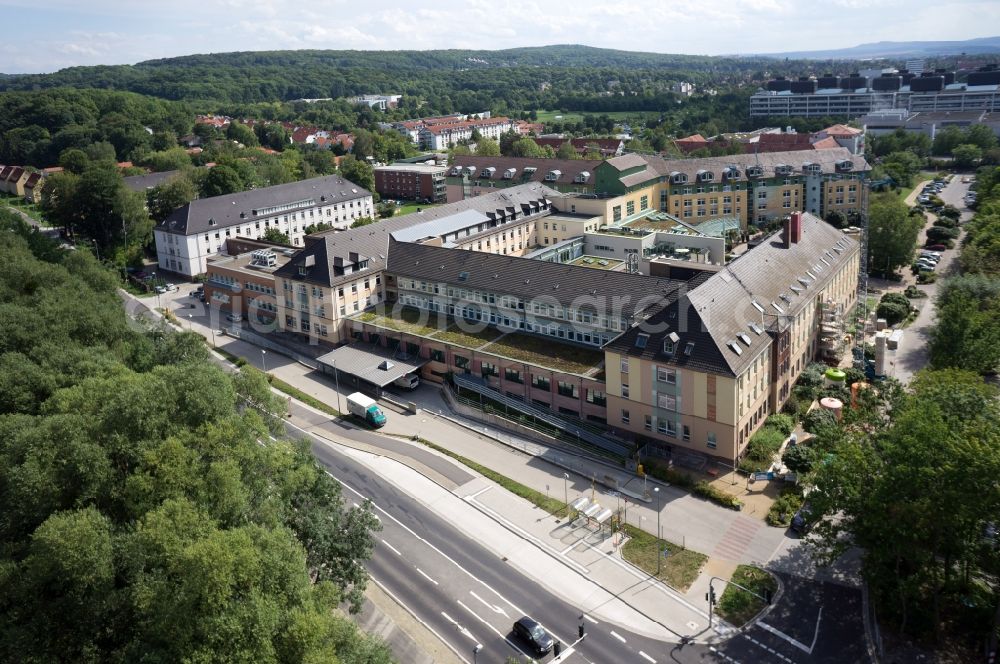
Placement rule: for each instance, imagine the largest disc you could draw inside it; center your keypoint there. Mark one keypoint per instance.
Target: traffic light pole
(710, 595)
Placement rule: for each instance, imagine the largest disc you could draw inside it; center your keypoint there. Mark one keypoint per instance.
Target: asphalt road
(468, 595)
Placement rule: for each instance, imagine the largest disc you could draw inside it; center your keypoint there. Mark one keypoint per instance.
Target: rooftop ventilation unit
(263, 258)
(735, 347)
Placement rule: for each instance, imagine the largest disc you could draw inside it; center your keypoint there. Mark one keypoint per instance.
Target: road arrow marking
(461, 629)
(492, 607)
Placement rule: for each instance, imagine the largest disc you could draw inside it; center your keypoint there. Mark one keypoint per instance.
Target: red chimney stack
(795, 228)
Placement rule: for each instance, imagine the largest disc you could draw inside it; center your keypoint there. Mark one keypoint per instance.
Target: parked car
(235, 318)
(937, 247)
(803, 520)
(409, 382)
(160, 290)
(534, 634)
(171, 287)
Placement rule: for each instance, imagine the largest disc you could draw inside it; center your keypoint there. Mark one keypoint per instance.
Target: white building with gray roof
(193, 232)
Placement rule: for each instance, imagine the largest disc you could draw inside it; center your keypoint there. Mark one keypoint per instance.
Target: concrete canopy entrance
(372, 367)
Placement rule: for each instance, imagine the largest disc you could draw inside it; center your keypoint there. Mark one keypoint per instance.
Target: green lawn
(574, 116)
(411, 207)
(546, 352)
(678, 570)
(738, 606)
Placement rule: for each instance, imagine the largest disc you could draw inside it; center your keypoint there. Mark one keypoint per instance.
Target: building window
(437, 355)
(541, 382)
(649, 423)
(666, 401)
(512, 375)
(630, 208)
(625, 416)
(616, 213)
(624, 365)
(624, 390)
(666, 375)
(568, 389)
(596, 397)
(712, 443)
(687, 432)
(489, 369)
(644, 203)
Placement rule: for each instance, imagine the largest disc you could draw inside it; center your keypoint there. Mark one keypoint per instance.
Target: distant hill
(911, 49)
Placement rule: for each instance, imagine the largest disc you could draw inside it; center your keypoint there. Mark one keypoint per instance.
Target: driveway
(913, 352)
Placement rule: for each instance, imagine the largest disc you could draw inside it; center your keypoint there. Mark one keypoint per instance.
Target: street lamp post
(263, 359)
(336, 378)
(566, 491)
(659, 556)
(213, 333)
(155, 287)
(190, 321)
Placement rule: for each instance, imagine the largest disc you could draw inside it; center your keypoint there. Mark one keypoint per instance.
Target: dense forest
(572, 78)
(149, 508)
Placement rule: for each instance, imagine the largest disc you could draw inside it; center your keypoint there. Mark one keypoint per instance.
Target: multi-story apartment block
(444, 136)
(420, 182)
(751, 188)
(709, 368)
(857, 95)
(338, 274)
(193, 232)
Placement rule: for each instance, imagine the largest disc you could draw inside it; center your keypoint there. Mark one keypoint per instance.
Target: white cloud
(121, 31)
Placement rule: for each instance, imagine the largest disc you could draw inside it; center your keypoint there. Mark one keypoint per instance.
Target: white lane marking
(801, 646)
(819, 616)
(646, 657)
(723, 655)
(591, 619)
(424, 574)
(618, 636)
(418, 537)
(495, 608)
(461, 629)
(392, 548)
(418, 619)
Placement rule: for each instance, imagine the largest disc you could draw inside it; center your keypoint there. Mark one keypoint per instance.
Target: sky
(47, 35)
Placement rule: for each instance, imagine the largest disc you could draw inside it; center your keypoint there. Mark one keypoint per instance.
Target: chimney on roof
(796, 227)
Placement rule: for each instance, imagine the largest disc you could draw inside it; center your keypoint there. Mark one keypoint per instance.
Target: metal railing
(545, 416)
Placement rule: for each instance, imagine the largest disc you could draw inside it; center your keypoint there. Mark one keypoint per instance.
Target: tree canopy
(145, 511)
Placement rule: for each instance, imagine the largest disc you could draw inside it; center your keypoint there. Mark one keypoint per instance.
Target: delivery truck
(365, 408)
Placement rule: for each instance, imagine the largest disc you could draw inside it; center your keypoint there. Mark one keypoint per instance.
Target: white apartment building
(193, 232)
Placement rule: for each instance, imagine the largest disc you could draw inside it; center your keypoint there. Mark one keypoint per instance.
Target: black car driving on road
(531, 631)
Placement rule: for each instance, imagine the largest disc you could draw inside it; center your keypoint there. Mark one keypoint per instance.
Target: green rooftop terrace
(547, 352)
(597, 262)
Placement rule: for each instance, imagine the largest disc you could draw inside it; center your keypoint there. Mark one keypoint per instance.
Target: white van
(409, 382)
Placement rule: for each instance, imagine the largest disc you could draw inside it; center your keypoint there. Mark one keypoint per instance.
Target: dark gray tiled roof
(148, 181)
(194, 217)
(827, 159)
(568, 168)
(715, 313)
(527, 278)
(372, 241)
